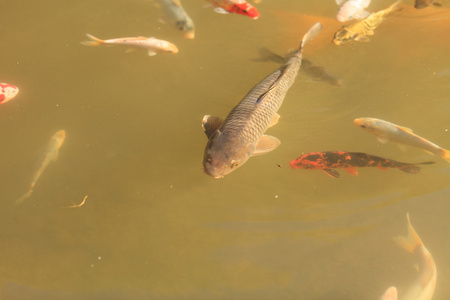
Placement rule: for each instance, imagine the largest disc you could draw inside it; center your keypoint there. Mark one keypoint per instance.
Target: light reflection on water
(154, 225)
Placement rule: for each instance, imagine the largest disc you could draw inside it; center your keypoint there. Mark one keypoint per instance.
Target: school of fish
(242, 133)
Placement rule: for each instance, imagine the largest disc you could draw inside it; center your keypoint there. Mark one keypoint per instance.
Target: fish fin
(93, 42)
(275, 119)
(352, 171)
(273, 85)
(163, 21)
(446, 155)
(151, 53)
(24, 196)
(361, 14)
(412, 169)
(411, 241)
(266, 144)
(332, 173)
(403, 147)
(383, 168)
(390, 294)
(309, 35)
(364, 39)
(220, 10)
(129, 50)
(405, 129)
(177, 2)
(437, 4)
(382, 139)
(426, 163)
(211, 124)
(340, 2)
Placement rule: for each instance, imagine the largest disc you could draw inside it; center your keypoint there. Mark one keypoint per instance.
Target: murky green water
(154, 226)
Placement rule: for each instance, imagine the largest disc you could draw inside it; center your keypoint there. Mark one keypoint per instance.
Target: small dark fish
(425, 3)
(312, 70)
(329, 160)
(231, 142)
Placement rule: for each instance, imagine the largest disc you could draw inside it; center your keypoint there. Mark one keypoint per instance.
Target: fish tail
(93, 42)
(446, 155)
(411, 241)
(309, 35)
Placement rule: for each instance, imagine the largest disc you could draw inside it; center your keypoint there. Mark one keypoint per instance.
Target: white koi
(7, 92)
(151, 44)
(386, 131)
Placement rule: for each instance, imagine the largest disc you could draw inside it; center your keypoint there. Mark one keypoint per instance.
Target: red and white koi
(7, 92)
(425, 282)
(151, 44)
(240, 7)
(386, 131)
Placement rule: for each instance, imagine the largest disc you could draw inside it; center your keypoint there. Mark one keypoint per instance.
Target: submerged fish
(425, 282)
(425, 3)
(386, 131)
(177, 17)
(51, 154)
(352, 9)
(241, 135)
(329, 160)
(7, 92)
(312, 70)
(240, 7)
(151, 44)
(360, 30)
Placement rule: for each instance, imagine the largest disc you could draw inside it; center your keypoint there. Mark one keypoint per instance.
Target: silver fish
(241, 135)
(51, 154)
(177, 16)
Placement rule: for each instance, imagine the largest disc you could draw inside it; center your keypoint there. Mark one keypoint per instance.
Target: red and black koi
(329, 160)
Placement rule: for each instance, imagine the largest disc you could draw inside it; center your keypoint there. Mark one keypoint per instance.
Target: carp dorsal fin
(405, 129)
(332, 173)
(266, 144)
(211, 124)
(275, 119)
(274, 84)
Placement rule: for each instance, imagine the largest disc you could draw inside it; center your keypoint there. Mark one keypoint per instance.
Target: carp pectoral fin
(339, 2)
(129, 50)
(364, 39)
(211, 124)
(266, 144)
(275, 119)
(390, 294)
(151, 53)
(382, 140)
(403, 147)
(220, 10)
(332, 173)
(361, 14)
(383, 168)
(352, 171)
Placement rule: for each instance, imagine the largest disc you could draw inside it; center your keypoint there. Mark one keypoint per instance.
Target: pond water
(154, 225)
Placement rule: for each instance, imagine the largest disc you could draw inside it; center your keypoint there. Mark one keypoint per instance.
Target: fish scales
(249, 119)
(241, 135)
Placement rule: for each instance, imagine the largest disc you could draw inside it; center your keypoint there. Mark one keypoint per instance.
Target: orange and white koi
(352, 9)
(51, 154)
(425, 283)
(240, 7)
(151, 44)
(386, 131)
(7, 92)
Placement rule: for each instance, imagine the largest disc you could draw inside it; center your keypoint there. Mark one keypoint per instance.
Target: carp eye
(235, 164)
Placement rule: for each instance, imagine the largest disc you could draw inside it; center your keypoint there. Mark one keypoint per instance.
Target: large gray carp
(231, 142)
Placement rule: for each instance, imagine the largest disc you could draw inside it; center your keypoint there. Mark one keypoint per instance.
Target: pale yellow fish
(386, 131)
(151, 44)
(360, 30)
(78, 205)
(50, 154)
(424, 284)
